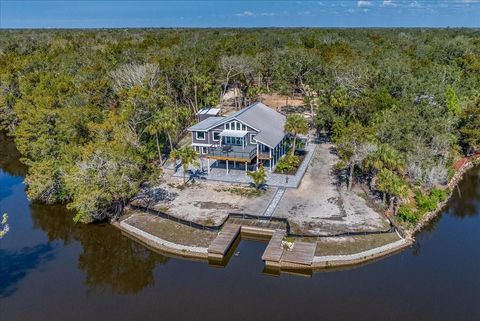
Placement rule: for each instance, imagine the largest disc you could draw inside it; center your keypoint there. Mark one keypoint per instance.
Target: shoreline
(407, 238)
(457, 177)
(319, 262)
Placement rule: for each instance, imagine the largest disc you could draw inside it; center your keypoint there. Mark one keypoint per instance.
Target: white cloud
(415, 4)
(245, 14)
(389, 3)
(253, 14)
(363, 3)
(304, 13)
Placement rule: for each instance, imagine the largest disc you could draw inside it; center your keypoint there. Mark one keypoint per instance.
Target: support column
(227, 166)
(245, 168)
(270, 153)
(257, 155)
(208, 164)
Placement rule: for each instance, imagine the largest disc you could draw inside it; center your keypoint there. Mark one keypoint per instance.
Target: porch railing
(230, 152)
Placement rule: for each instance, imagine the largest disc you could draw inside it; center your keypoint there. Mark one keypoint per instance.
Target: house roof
(206, 124)
(267, 121)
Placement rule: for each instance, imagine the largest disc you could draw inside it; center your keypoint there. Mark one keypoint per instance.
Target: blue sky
(240, 13)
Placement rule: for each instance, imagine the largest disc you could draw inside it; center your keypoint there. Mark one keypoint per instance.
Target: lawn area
(352, 244)
(171, 231)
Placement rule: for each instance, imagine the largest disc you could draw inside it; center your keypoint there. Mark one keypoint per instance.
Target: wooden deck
(233, 159)
(224, 240)
(274, 250)
(302, 253)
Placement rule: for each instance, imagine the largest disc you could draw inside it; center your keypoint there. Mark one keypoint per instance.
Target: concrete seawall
(161, 244)
(319, 262)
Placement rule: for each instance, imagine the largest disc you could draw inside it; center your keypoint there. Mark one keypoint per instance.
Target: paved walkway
(275, 200)
(237, 175)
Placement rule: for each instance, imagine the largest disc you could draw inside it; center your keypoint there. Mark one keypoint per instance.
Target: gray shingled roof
(206, 124)
(269, 123)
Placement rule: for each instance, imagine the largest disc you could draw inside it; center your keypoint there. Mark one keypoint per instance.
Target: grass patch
(171, 231)
(353, 244)
(243, 191)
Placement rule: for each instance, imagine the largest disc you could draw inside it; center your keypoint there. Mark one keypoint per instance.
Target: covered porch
(230, 157)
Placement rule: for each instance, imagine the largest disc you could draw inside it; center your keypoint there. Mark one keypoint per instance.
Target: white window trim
(213, 136)
(201, 144)
(204, 136)
(252, 137)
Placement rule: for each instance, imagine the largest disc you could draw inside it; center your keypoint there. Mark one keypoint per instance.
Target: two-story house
(246, 138)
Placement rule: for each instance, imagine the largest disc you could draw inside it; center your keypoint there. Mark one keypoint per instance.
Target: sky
(239, 13)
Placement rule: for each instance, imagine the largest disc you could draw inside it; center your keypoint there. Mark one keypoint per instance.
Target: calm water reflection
(51, 269)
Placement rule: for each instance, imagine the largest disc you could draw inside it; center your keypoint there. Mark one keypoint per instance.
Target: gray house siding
(209, 135)
(207, 140)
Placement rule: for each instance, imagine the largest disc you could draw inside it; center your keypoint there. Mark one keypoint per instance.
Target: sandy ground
(207, 202)
(320, 205)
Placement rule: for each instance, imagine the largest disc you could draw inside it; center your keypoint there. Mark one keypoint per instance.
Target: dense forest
(94, 112)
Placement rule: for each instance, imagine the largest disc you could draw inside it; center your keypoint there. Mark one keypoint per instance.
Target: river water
(52, 269)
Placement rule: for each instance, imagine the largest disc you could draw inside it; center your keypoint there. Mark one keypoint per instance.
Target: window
(216, 136)
(252, 141)
(227, 126)
(244, 127)
(204, 150)
(200, 135)
(238, 126)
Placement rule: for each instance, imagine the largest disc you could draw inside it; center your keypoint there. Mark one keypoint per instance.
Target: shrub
(407, 214)
(428, 203)
(288, 163)
(425, 203)
(439, 194)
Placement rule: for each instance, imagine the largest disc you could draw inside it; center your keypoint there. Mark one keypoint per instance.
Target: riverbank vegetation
(95, 112)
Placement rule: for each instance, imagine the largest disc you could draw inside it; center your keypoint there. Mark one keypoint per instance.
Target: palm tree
(166, 121)
(393, 185)
(258, 177)
(385, 157)
(296, 124)
(154, 128)
(187, 157)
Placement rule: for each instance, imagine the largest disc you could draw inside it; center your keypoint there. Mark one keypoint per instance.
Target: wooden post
(245, 168)
(208, 164)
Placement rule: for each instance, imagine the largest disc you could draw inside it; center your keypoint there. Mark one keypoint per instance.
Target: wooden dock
(273, 252)
(302, 253)
(275, 255)
(224, 240)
